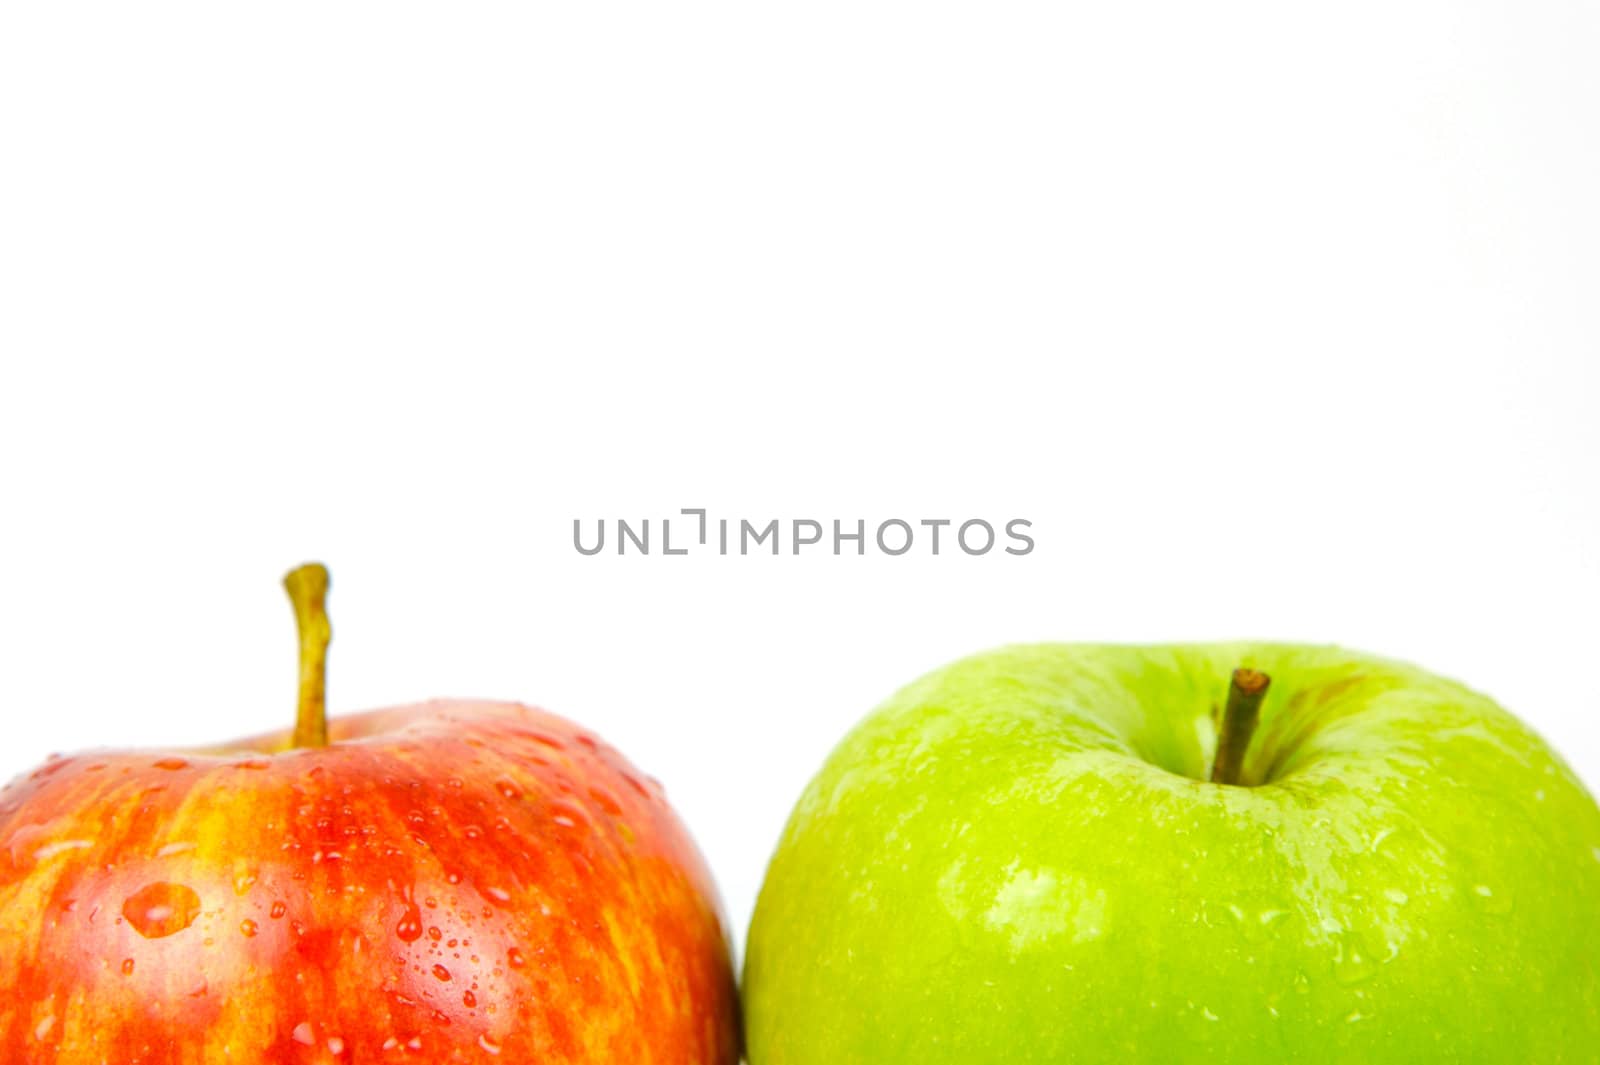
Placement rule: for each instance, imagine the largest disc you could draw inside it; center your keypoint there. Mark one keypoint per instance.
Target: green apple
(1023, 858)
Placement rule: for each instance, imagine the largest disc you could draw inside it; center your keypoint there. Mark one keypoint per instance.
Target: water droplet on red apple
(469, 1000)
(50, 850)
(127, 966)
(606, 801)
(568, 816)
(410, 927)
(161, 909)
(247, 928)
(171, 763)
(515, 959)
(304, 1034)
(488, 1045)
(507, 789)
(278, 910)
(54, 763)
(441, 973)
(35, 842)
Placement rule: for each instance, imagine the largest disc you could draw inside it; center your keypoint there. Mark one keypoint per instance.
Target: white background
(1276, 320)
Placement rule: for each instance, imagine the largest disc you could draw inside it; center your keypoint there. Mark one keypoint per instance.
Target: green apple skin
(1015, 860)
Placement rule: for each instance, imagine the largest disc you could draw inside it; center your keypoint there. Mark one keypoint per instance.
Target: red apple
(446, 882)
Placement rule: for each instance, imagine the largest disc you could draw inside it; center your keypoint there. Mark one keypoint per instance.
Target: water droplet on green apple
(1198, 1022)
(1492, 900)
(1257, 928)
(1352, 963)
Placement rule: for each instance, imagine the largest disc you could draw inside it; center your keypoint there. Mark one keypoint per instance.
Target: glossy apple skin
(1011, 862)
(450, 882)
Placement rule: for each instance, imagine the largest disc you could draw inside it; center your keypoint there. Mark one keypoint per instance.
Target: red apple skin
(448, 882)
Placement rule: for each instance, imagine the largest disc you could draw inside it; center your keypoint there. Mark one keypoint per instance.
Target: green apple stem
(307, 586)
(1245, 693)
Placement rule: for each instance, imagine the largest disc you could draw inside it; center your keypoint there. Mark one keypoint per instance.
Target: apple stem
(307, 586)
(1245, 693)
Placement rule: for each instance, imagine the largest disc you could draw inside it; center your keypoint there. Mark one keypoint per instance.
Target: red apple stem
(307, 586)
(1245, 694)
